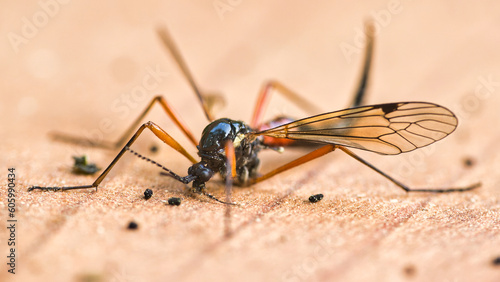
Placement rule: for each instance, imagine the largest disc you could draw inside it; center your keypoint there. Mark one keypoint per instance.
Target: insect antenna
(215, 199)
(170, 173)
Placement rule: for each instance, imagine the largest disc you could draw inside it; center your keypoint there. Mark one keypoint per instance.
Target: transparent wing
(388, 129)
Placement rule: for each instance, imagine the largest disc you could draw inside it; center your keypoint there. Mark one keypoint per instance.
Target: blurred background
(71, 63)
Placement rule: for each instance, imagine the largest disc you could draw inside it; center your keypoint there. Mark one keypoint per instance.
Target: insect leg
(308, 157)
(359, 95)
(113, 145)
(170, 45)
(160, 133)
(306, 105)
(230, 174)
(404, 187)
(264, 97)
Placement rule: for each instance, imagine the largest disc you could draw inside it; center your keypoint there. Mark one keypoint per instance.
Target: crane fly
(230, 147)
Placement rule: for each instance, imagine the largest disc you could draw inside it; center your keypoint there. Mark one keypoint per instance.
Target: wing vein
(384, 128)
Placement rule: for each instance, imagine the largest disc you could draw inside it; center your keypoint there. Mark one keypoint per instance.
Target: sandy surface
(89, 69)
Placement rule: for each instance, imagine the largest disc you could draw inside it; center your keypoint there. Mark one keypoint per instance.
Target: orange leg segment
(231, 174)
(264, 97)
(110, 145)
(308, 157)
(160, 133)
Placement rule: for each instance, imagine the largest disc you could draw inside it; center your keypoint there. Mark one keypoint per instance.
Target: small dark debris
(148, 193)
(153, 149)
(315, 198)
(82, 166)
(410, 270)
(496, 261)
(132, 225)
(469, 162)
(174, 201)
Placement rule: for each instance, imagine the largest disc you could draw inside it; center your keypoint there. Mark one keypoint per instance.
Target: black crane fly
(212, 148)
(231, 147)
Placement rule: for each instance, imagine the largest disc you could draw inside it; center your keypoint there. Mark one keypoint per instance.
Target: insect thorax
(212, 148)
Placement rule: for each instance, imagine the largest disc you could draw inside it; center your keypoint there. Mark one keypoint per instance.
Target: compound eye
(204, 174)
(201, 171)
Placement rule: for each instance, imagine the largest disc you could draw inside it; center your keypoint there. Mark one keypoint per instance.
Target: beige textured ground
(80, 69)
